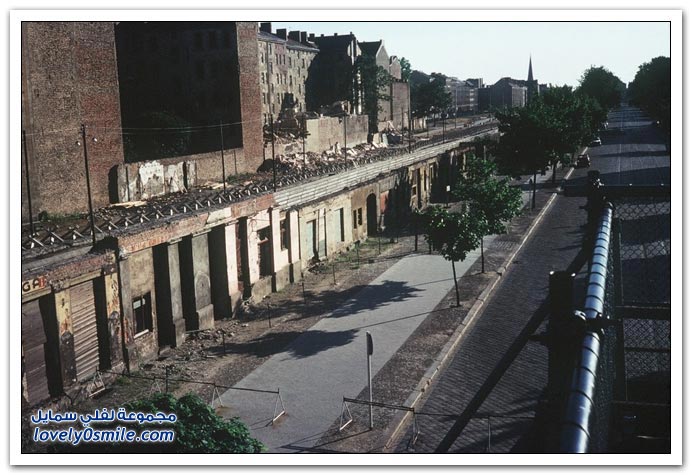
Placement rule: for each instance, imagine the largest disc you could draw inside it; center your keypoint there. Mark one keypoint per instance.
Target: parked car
(596, 142)
(583, 160)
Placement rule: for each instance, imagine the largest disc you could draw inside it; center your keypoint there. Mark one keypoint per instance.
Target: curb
(452, 344)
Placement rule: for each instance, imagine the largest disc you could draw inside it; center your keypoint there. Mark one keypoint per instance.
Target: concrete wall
(325, 132)
(144, 180)
(69, 78)
(140, 283)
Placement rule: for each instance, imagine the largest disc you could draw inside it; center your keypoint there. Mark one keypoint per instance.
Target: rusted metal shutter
(33, 340)
(86, 342)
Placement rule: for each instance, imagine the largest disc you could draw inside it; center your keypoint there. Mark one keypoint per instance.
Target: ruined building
(285, 61)
(189, 77)
(157, 273)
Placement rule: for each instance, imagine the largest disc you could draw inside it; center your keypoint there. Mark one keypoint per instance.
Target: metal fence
(618, 396)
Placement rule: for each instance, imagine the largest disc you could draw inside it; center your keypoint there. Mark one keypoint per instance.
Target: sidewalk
(327, 362)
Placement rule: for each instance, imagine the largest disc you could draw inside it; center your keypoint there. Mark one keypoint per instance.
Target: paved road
(326, 362)
(497, 372)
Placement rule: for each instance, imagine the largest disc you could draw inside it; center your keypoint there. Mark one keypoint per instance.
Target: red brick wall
(250, 99)
(69, 78)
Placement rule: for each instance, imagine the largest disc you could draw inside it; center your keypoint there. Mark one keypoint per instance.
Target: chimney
(311, 37)
(294, 35)
(266, 26)
(281, 33)
(304, 37)
(336, 34)
(321, 34)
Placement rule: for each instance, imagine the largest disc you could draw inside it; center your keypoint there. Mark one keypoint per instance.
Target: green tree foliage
(374, 84)
(491, 201)
(452, 233)
(545, 132)
(650, 89)
(405, 69)
(431, 97)
(602, 85)
(198, 429)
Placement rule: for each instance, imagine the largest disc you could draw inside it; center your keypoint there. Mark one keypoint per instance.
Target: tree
(650, 89)
(453, 234)
(198, 429)
(602, 85)
(374, 84)
(491, 201)
(545, 132)
(430, 97)
(405, 69)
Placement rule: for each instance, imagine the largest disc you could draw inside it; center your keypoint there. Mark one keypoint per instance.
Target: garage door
(86, 342)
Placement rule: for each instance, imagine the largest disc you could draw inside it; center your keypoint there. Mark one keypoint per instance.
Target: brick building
(69, 78)
(189, 77)
(284, 63)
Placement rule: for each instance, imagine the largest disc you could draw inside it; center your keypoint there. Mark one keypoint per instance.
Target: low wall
(144, 180)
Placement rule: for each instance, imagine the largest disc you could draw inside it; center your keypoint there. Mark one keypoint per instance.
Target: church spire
(530, 70)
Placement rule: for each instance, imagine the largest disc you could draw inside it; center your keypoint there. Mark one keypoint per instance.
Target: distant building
(464, 95)
(395, 110)
(506, 92)
(331, 77)
(285, 61)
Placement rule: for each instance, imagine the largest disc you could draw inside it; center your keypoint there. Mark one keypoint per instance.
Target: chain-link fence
(619, 397)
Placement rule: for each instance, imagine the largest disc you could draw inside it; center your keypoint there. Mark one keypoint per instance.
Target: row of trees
(650, 89)
(549, 129)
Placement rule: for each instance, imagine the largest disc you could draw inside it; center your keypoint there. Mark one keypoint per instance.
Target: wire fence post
(168, 369)
(28, 184)
(334, 271)
(223, 160)
(88, 184)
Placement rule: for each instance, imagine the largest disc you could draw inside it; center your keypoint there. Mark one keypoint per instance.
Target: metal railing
(611, 372)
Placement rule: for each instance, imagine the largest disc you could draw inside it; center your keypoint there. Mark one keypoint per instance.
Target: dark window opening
(264, 248)
(342, 228)
(141, 313)
(285, 242)
(199, 45)
(360, 216)
(355, 219)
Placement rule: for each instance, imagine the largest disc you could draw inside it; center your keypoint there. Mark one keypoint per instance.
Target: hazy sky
(561, 51)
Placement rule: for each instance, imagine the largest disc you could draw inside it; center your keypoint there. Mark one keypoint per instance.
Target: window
(264, 248)
(227, 39)
(342, 228)
(153, 44)
(355, 219)
(261, 57)
(141, 314)
(360, 216)
(285, 242)
(199, 45)
(290, 62)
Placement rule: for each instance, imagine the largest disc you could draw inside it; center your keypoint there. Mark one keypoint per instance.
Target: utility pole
(345, 117)
(370, 349)
(271, 128)
(443, 129)
(410, 125)
(223, 160)
(88, 184)
(32, 230)
(305, 131)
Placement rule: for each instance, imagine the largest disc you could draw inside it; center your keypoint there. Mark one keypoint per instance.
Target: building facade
(191, 78)
(285, 60)
(69, 79)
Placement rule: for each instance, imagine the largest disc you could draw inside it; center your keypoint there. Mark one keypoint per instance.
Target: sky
(560, 51)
